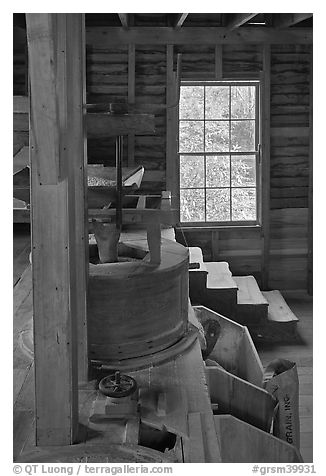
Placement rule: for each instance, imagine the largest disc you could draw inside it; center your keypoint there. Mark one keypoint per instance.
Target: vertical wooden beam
(310, 191)
(131, 99)
(215, 242)
(266, 98)
(172, 161)
(218, 62)
(77, 170)
(154, 242)
(58, 221)
(42, 57)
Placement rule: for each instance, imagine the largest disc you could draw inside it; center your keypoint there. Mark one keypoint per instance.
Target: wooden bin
(234, 350)
(235, 384)
(243, 443)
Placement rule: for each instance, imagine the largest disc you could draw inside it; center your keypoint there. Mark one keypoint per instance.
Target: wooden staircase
(252, 307)
(237, 297)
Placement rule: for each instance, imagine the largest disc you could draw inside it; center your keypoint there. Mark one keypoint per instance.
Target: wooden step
(281, 323)
(221, 289)
(219, 276)
(248, 291)
(252, 306)
(195, 254)
(278, 310)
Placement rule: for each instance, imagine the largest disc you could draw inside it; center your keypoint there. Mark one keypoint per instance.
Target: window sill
(216, 227)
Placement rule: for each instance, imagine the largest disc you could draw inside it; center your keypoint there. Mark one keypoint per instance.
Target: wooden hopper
(234, 349)
(244, 443)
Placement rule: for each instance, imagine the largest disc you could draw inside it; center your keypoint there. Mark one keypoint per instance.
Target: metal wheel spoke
(117, 385)
(110, 385)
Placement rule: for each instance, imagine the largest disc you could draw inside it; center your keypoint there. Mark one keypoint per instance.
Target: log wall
(150, 88)
(290, 141)
(289, 164)
(20, 81)
(20, 90)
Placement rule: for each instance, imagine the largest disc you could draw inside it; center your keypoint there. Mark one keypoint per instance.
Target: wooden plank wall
(107, 74)
(20, 123)
(289, 172)
(20, 86)
(240, 59)
(20, 89)
(150, 88)
(107, 81)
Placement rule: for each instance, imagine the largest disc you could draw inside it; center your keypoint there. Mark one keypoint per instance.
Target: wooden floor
(300, 351)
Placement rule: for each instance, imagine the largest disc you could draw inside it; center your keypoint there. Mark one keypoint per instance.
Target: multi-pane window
(218, 152)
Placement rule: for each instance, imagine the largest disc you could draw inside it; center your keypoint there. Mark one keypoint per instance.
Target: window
(218, 152)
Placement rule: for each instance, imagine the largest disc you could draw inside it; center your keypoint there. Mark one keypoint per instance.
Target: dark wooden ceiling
(184, 20)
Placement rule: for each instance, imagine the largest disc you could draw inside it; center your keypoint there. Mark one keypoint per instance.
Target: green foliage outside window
(217, 145)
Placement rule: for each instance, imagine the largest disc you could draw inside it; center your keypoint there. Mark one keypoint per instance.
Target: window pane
(217, 171)
(243, 204)
(217, 102)
(242, 136)
(243, 102)
(191, 102)
(192, 205)
(218, 205)
(191, 138)
(217, 136)
(243, 170)
(192, 171)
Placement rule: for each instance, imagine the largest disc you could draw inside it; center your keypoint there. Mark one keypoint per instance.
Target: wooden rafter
(124, 18)
(195, 35)
(285, 20)
(238, 19)
(179, 20)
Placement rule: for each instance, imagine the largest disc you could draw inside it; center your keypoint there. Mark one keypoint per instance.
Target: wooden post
(57, 157)
(77, 162)
(265, 194)
(310, 192)
(154, 242)
(172, 163)
(215, 245)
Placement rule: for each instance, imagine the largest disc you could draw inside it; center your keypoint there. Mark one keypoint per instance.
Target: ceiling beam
(238, 19)
(102, 37)
(285, 20)
(124, 18)
(179, 19)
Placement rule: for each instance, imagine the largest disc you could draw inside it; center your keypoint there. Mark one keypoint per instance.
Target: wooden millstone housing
(176, 314)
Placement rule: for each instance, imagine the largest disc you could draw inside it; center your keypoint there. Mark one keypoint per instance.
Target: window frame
(258, 153)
